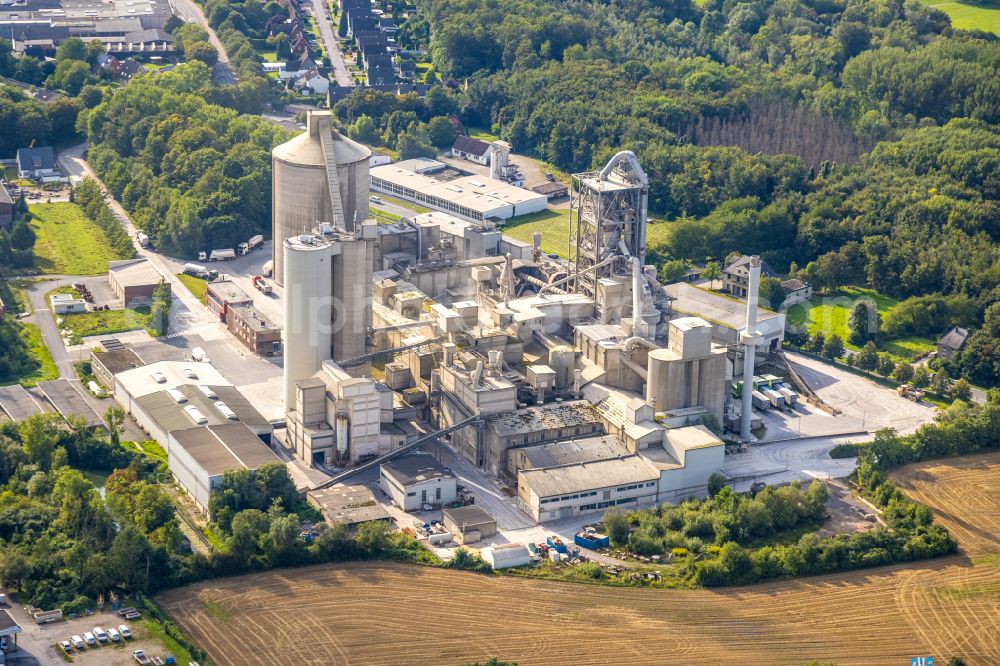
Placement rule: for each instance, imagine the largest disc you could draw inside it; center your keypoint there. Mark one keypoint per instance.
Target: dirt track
(379, 613)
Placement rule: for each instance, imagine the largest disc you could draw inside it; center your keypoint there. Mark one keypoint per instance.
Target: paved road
(390, 207)
(328, 34)
(186, 312)
(222, 73)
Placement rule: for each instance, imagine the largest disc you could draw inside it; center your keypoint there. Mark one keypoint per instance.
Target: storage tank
(562, 359)
(300, 194)
(658, 389)
(307, 335)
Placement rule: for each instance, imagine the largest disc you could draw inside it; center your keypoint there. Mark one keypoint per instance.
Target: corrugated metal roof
(223, 447)
(574, 451)
(553, 481)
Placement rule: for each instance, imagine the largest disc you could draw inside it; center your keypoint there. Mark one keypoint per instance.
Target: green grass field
(829, 315)
(47, 369)
(105, 322)
(970, 15)
(196, 286)
(554, 225)
(67, 243)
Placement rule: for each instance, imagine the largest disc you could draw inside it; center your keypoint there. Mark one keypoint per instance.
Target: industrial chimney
(749, 339)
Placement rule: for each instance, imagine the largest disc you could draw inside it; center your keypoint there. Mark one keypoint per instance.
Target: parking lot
(39, 644)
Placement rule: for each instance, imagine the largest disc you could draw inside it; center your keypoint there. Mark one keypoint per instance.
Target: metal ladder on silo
(332, 179)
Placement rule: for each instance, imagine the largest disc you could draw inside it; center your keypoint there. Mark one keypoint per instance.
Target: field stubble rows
(381, 613)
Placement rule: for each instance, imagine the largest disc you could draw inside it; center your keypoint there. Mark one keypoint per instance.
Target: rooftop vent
(178, 397)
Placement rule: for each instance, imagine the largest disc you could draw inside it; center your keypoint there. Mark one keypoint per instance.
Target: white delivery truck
(199, 354)
(222, 255)
(251, 245)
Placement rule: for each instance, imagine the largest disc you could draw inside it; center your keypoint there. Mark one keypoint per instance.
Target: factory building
(568, 491)
(221, 295)
(415, 480)
(319, 176)
(198, 457)
(348, 505)
(472, 198)
(578, 384)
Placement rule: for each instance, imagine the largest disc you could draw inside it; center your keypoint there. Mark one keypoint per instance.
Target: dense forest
(192, 174)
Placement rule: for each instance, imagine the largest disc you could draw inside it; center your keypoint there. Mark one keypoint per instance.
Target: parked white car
(89, 638)
(126, 634)
(77, 642)
(66, 647)
(100, 634)
(114, 635)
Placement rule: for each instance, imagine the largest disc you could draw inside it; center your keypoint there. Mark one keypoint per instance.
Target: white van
(199, 354)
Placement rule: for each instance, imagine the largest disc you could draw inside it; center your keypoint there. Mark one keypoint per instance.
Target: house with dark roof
(796, 291)
(471, 149)
(952, 342)
(407, 70)
(736, 275)
(36, 162)
(380, 70)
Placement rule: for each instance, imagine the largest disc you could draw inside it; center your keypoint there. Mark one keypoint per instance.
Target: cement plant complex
(464, 385)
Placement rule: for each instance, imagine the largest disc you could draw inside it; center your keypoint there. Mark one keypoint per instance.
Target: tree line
(192, 174)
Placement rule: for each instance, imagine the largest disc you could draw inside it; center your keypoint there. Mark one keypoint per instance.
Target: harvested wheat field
(380, 613)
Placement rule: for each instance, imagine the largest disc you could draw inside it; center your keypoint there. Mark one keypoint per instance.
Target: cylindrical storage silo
(562, 359)
(300, 194)
(308, 302)
(658, 379)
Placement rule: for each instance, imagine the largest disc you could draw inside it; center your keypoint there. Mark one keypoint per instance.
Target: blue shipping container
(591, 540)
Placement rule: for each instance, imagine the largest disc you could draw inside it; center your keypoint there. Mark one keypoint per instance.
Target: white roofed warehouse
(473, 198)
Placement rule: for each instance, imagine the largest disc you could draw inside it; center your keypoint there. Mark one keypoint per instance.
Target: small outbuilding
(417, 479)
(133, 281)
(506, 555)
(470, 523)
(67, 304)
(552, 190)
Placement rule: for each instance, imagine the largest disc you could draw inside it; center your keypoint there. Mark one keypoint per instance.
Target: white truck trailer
(251, 245)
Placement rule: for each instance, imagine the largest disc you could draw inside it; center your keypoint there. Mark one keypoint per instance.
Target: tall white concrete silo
(301, 192)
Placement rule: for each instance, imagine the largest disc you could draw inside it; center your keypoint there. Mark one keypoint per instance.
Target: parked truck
(759, 400)
(225, 254)
(250, 245)
(200, 271)
(142, 238)
(910, 392)
(261, 284)
(268, 268)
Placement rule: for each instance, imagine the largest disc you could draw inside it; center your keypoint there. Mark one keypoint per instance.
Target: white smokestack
(750, 339)
(638, 323)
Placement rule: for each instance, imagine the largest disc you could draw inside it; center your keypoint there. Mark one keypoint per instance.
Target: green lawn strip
(195, 285)
(147, 448)
(970, 15)
(157, 633)
(416, 208)
(554, 225)
(67, 242)
(481, 133)
(46, 370)
(384, 217)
